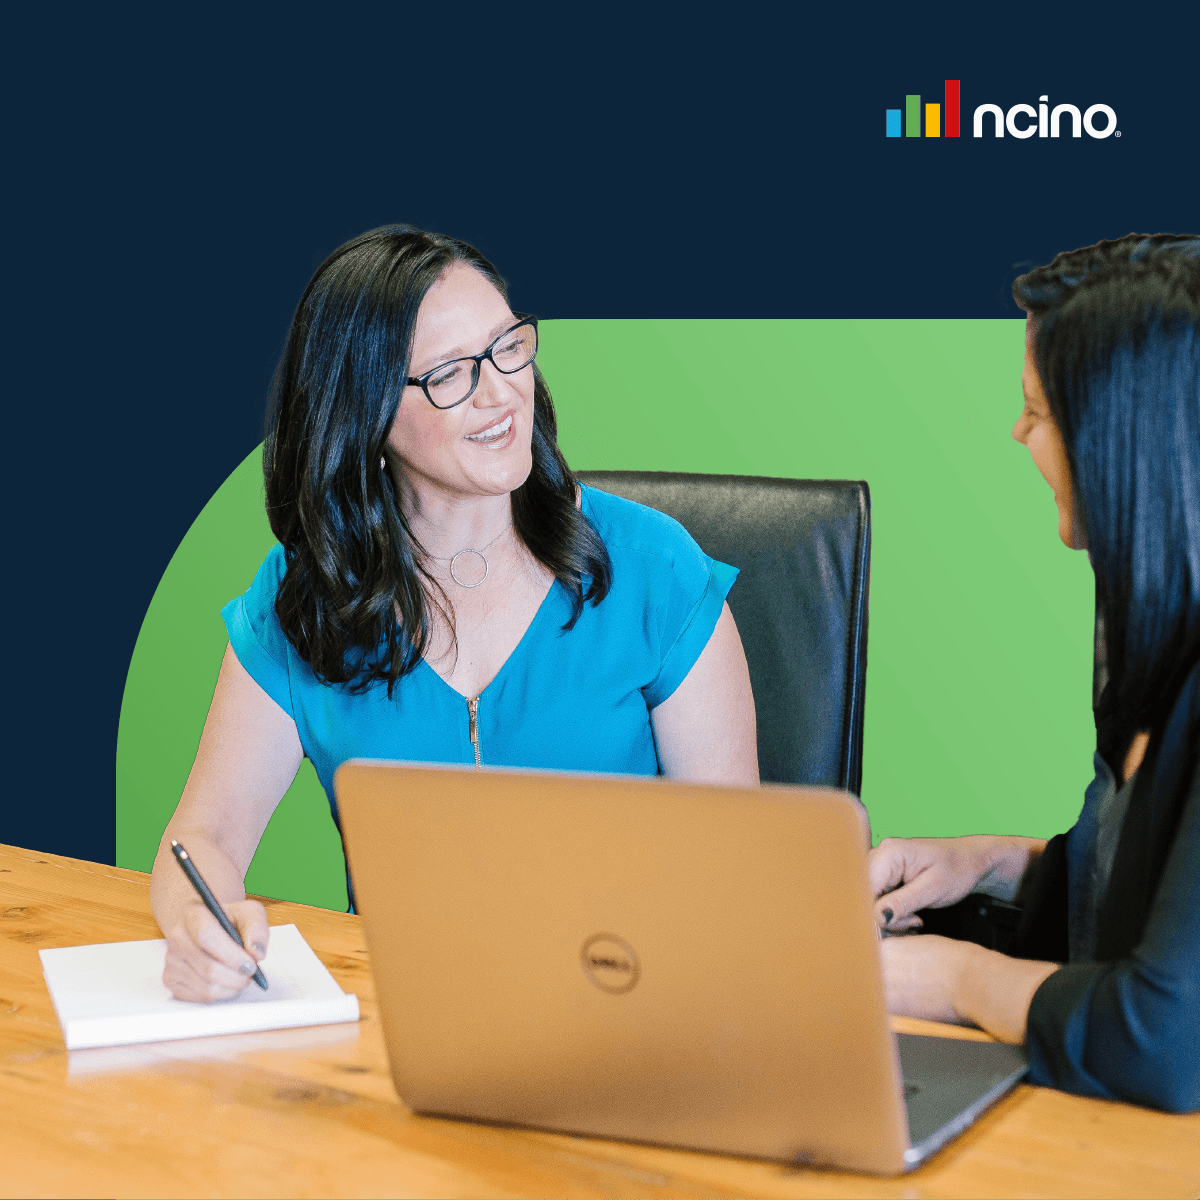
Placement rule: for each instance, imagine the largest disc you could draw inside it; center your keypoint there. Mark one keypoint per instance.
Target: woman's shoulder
(275, 564)
(251, 619)
(629, 528)
(260, 596)
(663, 583)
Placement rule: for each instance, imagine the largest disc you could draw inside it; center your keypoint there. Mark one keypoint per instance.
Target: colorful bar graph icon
(912, 116)
(933, 116)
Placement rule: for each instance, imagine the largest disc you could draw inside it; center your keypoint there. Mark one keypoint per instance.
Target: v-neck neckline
(513, 653)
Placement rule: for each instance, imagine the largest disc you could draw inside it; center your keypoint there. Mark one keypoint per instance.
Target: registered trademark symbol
(1117, 134)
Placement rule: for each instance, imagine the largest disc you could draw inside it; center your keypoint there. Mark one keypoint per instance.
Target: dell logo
(610, 963)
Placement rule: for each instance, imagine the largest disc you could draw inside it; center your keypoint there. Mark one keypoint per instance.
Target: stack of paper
(113, 995)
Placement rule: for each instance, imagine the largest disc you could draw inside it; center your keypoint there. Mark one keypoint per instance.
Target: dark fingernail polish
(887, 916)
(247, 968)
(259, 947)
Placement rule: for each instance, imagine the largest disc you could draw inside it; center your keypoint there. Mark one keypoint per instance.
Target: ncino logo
(1046, 121)
(1020, 121)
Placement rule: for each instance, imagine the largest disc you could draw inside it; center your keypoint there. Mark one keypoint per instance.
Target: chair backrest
(803, 547)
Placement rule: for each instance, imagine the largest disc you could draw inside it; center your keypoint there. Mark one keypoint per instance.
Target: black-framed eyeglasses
(451, 383)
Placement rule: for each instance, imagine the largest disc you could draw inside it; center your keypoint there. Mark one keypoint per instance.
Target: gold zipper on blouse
(473, 709)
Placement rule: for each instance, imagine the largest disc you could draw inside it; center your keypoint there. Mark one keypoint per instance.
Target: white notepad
(113, 994)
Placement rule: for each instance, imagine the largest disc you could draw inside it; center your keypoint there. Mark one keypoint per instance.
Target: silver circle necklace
(480, 552)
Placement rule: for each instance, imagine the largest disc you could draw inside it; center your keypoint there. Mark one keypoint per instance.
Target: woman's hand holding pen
(203, 962)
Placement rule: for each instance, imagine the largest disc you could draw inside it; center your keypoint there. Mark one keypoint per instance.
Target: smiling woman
(443, 590)
(1039, 433)
(1104, 985)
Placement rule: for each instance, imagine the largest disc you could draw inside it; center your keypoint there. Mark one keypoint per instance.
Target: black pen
(210, 902)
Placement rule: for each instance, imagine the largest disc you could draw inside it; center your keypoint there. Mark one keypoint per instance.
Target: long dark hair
(355, 598)
(1116, 330)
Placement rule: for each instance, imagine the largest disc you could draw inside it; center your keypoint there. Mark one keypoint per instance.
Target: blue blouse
(576, 700)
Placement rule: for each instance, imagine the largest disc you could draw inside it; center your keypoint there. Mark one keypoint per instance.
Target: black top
(1127, 1026)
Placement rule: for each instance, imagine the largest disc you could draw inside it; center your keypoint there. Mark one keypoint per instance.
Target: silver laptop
(640, 959)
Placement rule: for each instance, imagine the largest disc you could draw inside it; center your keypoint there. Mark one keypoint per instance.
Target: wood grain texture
(312, 1112)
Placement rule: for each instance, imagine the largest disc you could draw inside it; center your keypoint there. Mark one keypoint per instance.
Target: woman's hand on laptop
(939, 979)
(907, 874)
(203, 962)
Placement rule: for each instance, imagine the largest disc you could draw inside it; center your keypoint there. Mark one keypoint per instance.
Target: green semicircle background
(978, 701)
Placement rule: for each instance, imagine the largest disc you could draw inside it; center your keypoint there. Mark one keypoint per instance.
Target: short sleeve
(255, 634)
(686, 646)
(688, 591)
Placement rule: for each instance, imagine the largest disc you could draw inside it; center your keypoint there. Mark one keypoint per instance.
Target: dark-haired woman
(442, 591)
(1106, 991)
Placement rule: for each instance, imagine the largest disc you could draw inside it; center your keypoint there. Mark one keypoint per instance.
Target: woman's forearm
(170, 891)
(248, 756)
(1014, 860)
(995, 991)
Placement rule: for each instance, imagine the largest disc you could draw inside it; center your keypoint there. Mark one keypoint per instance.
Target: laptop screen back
(631, 958)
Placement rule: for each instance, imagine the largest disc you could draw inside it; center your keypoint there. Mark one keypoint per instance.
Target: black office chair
(803, 547)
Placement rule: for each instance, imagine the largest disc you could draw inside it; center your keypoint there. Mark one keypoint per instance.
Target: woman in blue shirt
(1105, 986)
(443, 590)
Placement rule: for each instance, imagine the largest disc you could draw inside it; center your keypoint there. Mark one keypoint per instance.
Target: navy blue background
(175, 177)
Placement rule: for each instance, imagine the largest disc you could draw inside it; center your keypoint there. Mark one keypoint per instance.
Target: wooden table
(312, 1112)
